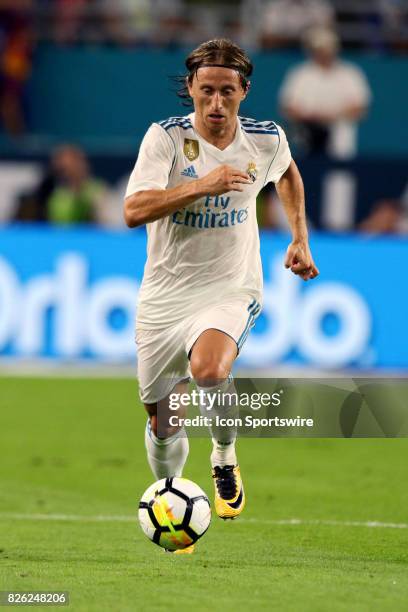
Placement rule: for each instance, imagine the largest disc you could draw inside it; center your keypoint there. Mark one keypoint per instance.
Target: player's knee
(208, 373)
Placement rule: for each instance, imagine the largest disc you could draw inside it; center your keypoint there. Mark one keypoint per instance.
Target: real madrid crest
(252, 171)
(191, 149)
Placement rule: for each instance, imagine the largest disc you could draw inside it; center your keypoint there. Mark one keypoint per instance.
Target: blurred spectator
(379, 24)
(284, 22)
(68, 16)
(386, 217)
(325, 97)
(173, 26)
(394, 17)
(67, 193)
(373, 24)
(270, 211)
(16, 46)
(126, 22)
(214, 18)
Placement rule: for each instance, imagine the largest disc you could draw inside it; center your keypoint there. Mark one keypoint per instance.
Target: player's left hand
(299, 259)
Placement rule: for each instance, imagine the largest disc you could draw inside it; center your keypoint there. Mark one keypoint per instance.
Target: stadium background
(94, 81)
(325, 522)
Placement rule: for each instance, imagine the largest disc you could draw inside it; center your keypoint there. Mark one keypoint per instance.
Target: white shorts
(163, 354)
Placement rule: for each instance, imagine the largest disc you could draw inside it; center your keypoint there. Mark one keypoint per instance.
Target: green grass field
(75, 448)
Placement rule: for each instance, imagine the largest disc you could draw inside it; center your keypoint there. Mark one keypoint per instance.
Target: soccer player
(195, 185)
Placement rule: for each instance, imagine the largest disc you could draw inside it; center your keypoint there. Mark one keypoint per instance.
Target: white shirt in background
(314, 89)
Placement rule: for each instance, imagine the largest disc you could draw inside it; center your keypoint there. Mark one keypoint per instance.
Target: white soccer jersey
(208, 251)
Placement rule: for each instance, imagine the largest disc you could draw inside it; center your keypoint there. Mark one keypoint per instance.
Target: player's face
(217, 94)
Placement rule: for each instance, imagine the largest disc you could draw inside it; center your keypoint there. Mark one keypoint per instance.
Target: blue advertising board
(70, 294)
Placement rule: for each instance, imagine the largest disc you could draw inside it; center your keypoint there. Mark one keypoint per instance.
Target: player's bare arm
(150, 205)
(291, 193)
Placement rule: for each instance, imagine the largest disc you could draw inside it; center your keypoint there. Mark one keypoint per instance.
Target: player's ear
(189, 85)
(246, 90)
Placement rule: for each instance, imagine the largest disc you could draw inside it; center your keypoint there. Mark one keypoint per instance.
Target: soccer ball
(174, 513)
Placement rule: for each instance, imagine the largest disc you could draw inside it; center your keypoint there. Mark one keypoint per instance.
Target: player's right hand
(223, 179)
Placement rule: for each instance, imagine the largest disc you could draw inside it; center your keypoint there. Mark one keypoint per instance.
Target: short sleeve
(154, 162)
(281, 159)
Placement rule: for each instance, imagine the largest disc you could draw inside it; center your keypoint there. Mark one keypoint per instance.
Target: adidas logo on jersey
(190, 172)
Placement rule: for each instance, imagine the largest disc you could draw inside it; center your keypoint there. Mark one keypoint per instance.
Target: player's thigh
(218, 334)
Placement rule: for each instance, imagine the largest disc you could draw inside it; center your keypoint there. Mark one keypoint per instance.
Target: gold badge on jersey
(191, 149)
(252, 171)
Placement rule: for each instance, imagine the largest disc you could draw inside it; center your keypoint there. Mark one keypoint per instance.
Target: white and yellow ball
(174, 513)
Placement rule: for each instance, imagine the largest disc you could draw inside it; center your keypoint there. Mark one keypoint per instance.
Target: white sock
(223, 453)
(223, 438)
(166, 456)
